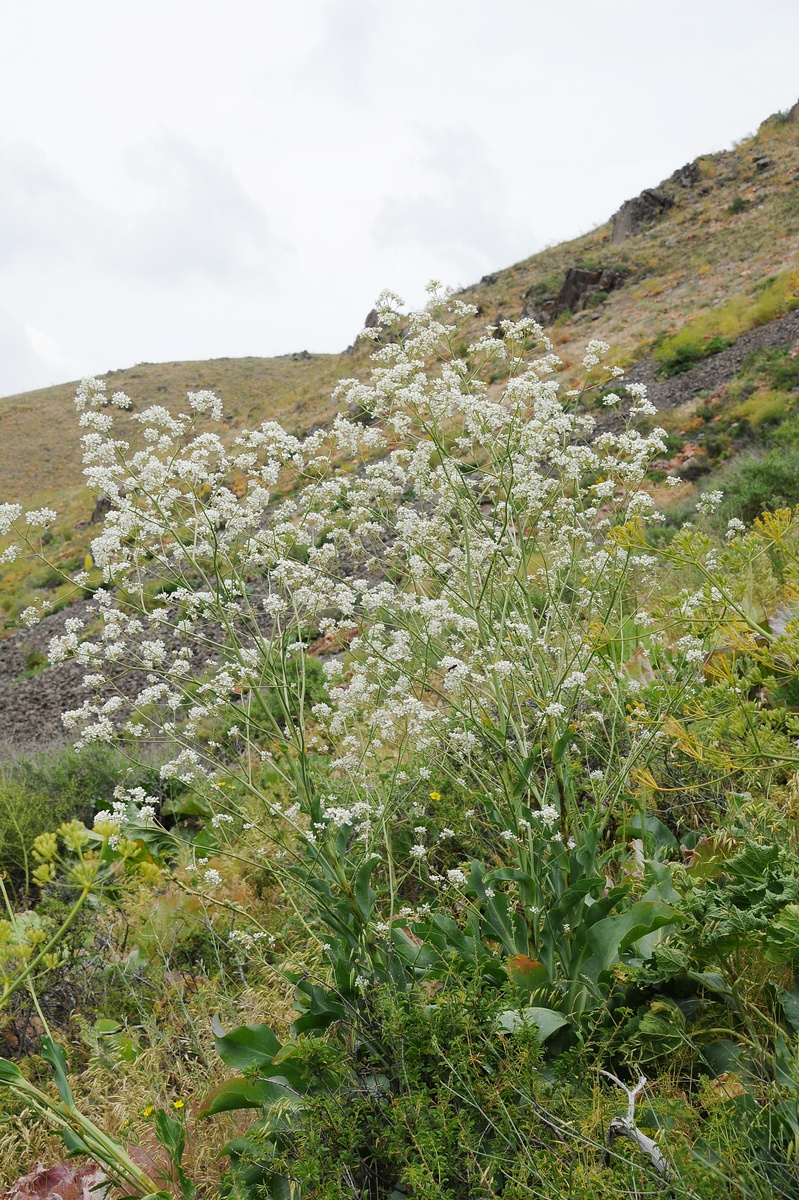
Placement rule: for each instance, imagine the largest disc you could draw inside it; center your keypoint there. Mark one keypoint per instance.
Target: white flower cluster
(453, 546)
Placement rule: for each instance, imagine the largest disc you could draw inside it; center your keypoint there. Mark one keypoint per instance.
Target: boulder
(634, 215)
(687, 176)
(580, 287)
(102, 508)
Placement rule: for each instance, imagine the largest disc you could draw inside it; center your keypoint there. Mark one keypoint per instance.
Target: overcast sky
(198, 178)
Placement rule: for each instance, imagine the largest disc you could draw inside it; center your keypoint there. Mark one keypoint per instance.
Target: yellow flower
(45, 847)
(435, 795)
(178, 1103)
(44, 874)
(148, 1111)
(74, 833)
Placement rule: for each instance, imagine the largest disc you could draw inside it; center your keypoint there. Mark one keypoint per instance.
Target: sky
(193, 179)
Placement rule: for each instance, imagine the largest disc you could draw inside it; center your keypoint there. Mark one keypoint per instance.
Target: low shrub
(755, 483)
(686, 354)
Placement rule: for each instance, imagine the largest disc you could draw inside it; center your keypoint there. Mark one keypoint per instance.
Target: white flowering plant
(449, 584)
(468, 564)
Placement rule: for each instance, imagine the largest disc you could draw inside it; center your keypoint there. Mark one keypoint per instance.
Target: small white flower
(212, 877)
(734, 527)
(576, 679)
(418, 851)
(40, 517)
(709, 502)
(456, 877)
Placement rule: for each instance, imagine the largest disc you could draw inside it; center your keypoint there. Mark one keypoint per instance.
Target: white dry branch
(626, 1127)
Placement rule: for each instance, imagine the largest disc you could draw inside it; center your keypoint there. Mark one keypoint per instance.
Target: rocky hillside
(695, 283)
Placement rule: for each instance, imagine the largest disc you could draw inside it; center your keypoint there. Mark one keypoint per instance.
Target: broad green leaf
(9, 1073)
(240, 1093)
(73, 1142)
(319, 1009)
(248, 1046)
(789, 1002)
(606, 941)
(171, 1134)
(527, 973)
(364, 894)
(545, 1021)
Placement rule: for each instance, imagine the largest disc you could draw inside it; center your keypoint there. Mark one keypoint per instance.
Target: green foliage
(511, 822)
(39, 792)
(686, 354)
(755, 483)
(714, 329)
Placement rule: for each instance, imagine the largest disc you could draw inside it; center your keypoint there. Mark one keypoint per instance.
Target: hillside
(719, 231)
(695, 284)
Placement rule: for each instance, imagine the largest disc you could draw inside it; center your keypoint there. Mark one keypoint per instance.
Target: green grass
(716, 329)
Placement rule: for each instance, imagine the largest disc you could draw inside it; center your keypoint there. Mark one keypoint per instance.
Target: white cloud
(29, 358)
(460, 218)
(185, 216)
(193, 180)
(197, 222)
(344, 54)
(46, 348)
(43, 214)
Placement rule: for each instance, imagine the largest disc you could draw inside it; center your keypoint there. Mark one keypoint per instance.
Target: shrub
(686, 354)
(756, 483)
(40, 791)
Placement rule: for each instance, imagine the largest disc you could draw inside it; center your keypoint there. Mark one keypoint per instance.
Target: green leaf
(54, 1055)
(789, 1002)
(247, 1046)
(171, 1134)
(9, 1073)
(240, 1093)
(106, 1026)
(73, 1142)
(364, 894)
(319, 1009)
(657, 837)
(606, 940)
(528, 974)
(544, 1020)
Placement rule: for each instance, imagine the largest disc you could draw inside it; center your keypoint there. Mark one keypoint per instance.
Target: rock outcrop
(581, 289)
(634, 215)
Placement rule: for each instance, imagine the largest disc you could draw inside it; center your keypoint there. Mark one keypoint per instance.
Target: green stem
(10, 988)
